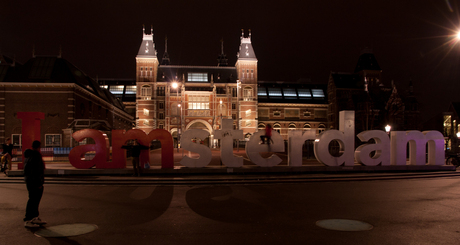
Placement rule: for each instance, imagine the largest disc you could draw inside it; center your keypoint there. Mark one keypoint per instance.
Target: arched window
(321, 128)
(292, 126)
(306, 126)
(261, 126)
(277, 127)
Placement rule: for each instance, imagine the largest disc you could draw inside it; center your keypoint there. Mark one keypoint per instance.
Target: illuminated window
(130, 89)
(16, 139)
(247, 94)
(198, 102)
(146, 112)
(105, 86)
(317, 93)
(304, 93)
(248, 123)
(146, 122)
(52, 140)
(289, 93)
(116, 89)
(248, 113)
(146, 92)
(197, 77)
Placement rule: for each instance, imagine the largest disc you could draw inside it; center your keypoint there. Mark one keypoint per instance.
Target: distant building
(69, 98)
(375, 104)
(177, 97)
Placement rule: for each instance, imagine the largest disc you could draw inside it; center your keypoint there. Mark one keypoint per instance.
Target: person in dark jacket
(34, 176)
(136, 149)
(7, 152)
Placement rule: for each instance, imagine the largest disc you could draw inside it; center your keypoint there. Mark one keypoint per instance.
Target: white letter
(381, 148)
(202, 150)
(226, 136)
(417, 145)
(253, 148)
(345, 137)
(296, 140)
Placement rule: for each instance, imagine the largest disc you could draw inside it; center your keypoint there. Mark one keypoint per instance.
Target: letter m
(419, 144)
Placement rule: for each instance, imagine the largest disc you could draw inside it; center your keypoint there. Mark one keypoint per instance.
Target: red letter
(30, 130)
(101, 149)
(119, 138)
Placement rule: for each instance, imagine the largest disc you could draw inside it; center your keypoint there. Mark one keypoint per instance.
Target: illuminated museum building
(178, 98)
(69, 99)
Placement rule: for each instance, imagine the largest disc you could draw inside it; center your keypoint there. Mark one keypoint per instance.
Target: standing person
(6, 155)
(34, 176)
(136, 149)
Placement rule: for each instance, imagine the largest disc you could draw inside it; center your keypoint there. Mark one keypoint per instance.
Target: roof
(283, 92)
(52, 69)
(367, 61)
(347, 80)
(246, 51)
(197, 74)
(147, 48)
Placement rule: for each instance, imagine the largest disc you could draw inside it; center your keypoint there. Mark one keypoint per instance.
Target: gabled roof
(204, 74)
(52, 69)
(347, 80)
(367, 61)
(147, 48)
(246, 52)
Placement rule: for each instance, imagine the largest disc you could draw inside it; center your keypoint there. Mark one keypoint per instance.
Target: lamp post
(238, 111)
(387, 129)
(179, 129)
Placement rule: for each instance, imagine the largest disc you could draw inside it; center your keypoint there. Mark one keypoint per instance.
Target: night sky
(292, 39)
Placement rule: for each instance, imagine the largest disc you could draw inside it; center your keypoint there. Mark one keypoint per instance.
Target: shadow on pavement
(217, 203)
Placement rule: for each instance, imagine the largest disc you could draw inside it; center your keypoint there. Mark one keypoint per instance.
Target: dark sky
(292, 39)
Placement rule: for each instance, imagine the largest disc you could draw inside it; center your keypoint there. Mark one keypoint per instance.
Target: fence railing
(50, 154)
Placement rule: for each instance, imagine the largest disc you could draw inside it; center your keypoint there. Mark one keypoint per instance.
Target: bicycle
(453, 159)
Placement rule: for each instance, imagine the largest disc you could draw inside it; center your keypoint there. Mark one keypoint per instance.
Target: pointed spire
(143, 28)
(222, 58)
(165, 60)
(151, 29)
(249, 33)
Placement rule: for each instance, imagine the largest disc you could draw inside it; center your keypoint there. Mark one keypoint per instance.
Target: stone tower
(146, 74)
(246, 66)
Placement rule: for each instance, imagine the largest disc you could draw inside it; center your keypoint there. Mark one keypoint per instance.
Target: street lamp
(387, 129)
(175, 86)
(179, 129)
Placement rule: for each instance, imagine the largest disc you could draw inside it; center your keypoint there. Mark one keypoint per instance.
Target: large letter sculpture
(381, 148)
(296, 141)
(101, 148)
(226, 136)
(30, 130)
(417, 147)
(167, 147)
(253, 148)
(202, 150)
(345, 137)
